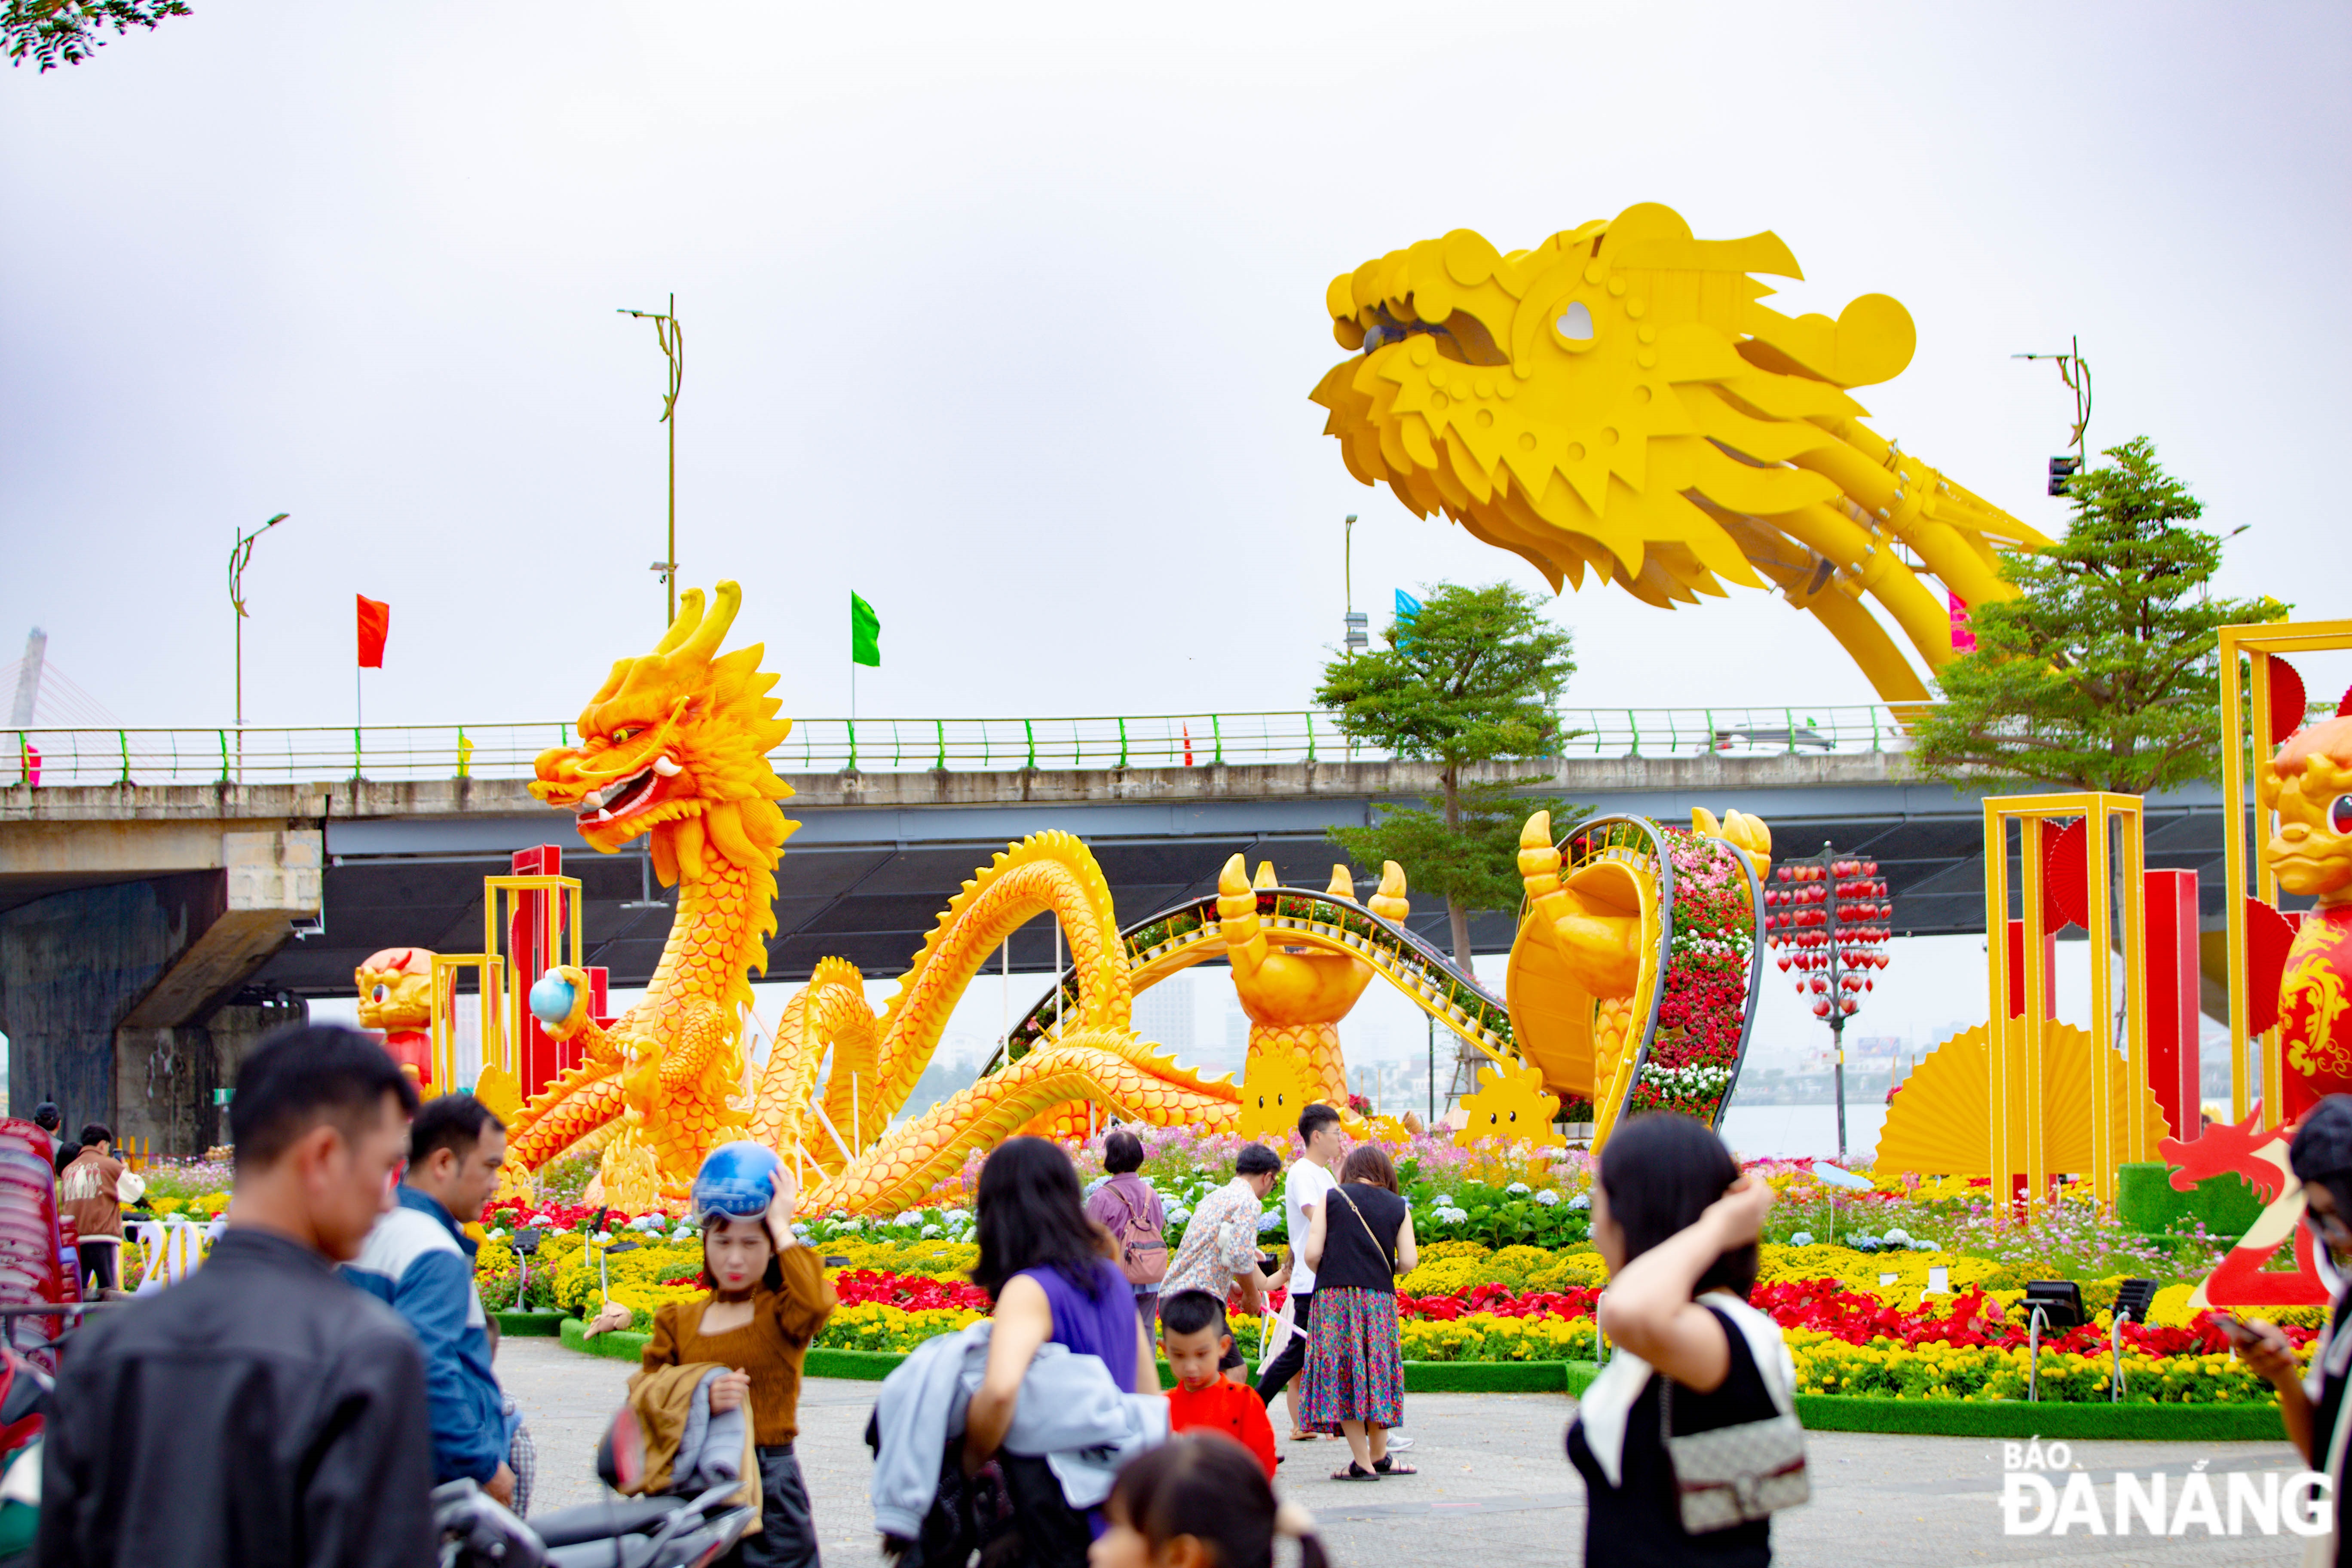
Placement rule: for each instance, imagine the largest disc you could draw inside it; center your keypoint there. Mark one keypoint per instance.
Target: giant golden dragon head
(1619, 398)
(2309, 784)
(676, 744)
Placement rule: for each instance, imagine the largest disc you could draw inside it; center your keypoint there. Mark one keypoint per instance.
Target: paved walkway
(1495, 1486)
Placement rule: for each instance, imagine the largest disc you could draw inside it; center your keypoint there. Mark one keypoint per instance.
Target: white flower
(1896, 1234)
(912, 1217)
(1547, 1197)
(1094, 1185)
(930, 1231)
(1454, 1216)
(1580, 1201)
(852, 1224)
(1801, 1238)
(1516, 1187)
(1921, 1244)
(1179, 1215)
(1445, 1200)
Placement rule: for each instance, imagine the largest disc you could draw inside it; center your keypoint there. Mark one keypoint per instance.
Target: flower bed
(1703, 998)
(1507, 1273)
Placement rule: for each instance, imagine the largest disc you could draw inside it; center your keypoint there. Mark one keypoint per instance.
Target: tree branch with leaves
(2104, 672)
(1471, 678)
(53, 32)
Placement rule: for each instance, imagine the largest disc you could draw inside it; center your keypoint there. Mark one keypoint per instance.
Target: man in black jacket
(261, 1412)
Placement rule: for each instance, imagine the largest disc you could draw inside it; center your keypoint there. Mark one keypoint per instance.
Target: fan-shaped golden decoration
(1941, 1123)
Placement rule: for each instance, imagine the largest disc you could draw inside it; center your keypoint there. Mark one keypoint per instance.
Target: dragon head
(676, 744)
(1619, 398)
(395, 989)
(2309, 784)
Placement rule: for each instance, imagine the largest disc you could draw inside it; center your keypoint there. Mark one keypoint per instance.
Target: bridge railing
(51, 757)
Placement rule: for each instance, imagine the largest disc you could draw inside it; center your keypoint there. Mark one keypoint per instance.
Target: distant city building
(1164, 1015)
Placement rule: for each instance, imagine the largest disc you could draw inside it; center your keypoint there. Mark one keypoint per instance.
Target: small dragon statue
(1620, 399)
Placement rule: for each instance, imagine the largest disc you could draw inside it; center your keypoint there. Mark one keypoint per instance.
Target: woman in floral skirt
(1361, 1239)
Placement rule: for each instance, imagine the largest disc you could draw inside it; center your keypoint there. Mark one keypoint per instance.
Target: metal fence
(395, 751)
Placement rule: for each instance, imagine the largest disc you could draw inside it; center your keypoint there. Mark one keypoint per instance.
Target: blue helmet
(737, 1179)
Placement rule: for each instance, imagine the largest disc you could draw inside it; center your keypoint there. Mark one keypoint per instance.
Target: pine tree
(2103, 673)
(1469, 679)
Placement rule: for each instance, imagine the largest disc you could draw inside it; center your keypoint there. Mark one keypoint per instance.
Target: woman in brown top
(768, 1297)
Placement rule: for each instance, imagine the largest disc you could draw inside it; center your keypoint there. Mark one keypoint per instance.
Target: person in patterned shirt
(1220, 1248)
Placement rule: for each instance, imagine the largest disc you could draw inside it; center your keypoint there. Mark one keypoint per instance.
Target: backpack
(1142, 1255)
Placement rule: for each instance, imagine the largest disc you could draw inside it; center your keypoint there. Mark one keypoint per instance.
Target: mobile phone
(2235, 1331)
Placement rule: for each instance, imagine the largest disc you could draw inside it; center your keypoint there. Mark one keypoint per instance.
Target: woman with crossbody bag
(1688, 1441)
(1359, 1239)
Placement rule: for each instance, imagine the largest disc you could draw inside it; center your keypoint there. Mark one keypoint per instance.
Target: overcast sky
(1007, 319)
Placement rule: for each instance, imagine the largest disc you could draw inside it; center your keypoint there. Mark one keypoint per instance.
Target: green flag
(865, 634)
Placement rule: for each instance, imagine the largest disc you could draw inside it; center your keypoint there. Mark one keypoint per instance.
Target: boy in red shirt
(1193, 1337)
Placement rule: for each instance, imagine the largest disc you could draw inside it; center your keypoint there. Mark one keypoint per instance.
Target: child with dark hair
(261, 1412)
(1194, 1337)
(1199, 1501)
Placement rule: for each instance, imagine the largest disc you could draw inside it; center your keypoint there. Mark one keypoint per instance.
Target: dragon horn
(728, 598)
(690, 616)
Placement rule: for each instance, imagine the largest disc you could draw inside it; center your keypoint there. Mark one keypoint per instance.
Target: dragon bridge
(1620, 399)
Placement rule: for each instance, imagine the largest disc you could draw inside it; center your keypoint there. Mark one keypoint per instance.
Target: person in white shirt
(1302, 1192)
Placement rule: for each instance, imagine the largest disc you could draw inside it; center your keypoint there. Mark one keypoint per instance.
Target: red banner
(375, 624)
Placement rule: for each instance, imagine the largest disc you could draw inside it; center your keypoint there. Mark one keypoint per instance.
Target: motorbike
(660, 1531)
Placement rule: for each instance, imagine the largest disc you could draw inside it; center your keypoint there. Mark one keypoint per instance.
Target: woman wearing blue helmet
(768, 1297)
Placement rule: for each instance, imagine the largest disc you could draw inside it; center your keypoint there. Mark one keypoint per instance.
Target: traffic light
(2061, 470)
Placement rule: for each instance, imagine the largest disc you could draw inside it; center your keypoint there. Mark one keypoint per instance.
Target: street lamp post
(239, 556)
(1828, 918)
(672, 338)
(2076, 372)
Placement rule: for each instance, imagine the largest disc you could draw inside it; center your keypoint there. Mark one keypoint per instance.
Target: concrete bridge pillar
(115, 998)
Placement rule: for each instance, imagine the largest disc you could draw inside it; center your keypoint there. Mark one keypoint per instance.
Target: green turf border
(619, 1344)
(860, 1366)
(543, 1325)
(2020, 1418)
(1819, 1412)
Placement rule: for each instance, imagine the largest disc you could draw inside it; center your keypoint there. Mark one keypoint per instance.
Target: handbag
(1734, 1474)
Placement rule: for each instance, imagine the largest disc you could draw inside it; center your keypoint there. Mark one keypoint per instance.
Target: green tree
(67, 32)
(1471, 678)
(2103, 673)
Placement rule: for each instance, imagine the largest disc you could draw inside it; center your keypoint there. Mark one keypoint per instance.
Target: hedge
(1819, 1412)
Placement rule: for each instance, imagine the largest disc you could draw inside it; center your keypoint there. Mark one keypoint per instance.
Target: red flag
(375, 624)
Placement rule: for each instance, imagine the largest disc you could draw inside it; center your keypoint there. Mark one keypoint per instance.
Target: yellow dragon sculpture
(1620, 398)
(675, 746)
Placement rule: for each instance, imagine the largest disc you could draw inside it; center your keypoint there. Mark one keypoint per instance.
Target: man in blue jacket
(418, 1260)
